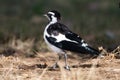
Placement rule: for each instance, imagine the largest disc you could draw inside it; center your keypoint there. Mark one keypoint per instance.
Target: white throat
(54, 20)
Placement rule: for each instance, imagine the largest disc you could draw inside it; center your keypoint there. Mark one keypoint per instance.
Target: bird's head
(53, 16)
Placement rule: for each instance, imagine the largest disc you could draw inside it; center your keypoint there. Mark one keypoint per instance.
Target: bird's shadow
(43, 66)
(84, 66)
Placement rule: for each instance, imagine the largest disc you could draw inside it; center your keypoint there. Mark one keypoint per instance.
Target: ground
(38, 68)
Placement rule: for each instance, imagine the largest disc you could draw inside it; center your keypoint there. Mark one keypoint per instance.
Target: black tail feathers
(92, 51)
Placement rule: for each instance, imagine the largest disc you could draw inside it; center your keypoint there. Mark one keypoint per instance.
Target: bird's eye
(49, 14)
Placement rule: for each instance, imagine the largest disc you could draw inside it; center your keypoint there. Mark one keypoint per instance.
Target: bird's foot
(101, 56)
(55, 66)
(67, 68)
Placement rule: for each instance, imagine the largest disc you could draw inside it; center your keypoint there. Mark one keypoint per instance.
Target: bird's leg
(66, 65)
(55, 65)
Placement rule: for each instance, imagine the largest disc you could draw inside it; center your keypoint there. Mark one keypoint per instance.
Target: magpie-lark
(61, 39)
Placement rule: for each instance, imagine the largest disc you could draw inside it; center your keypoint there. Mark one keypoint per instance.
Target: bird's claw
(67, 68)
(55, 66)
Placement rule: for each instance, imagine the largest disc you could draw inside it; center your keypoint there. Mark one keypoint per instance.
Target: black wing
(75, 43)
(61, 28)
(72, 46)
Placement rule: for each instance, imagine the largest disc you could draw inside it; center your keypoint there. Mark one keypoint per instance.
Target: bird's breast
(53, 47)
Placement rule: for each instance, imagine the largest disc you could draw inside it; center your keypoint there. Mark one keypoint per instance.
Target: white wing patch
(62, 37)
(84, 44)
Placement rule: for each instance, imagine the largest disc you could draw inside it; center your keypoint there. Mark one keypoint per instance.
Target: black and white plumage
(61, 39)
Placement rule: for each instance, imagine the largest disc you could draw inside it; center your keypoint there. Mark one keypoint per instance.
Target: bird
(61, 39)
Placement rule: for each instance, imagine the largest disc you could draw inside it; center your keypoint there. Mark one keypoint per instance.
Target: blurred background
(22, 22)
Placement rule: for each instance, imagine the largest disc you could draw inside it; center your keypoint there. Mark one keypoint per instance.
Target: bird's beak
(45, 15)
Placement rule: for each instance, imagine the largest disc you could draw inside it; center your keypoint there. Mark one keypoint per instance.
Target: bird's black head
(53, 15)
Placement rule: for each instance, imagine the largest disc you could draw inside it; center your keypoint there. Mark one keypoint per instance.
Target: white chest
(54, 48)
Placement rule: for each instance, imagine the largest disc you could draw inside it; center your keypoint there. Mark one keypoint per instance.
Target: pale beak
(45, 15)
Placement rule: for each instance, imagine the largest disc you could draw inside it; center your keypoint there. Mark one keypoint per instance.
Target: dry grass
(38, 67)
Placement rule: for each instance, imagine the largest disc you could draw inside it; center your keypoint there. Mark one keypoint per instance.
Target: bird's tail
(92, 51)
(85, 49)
